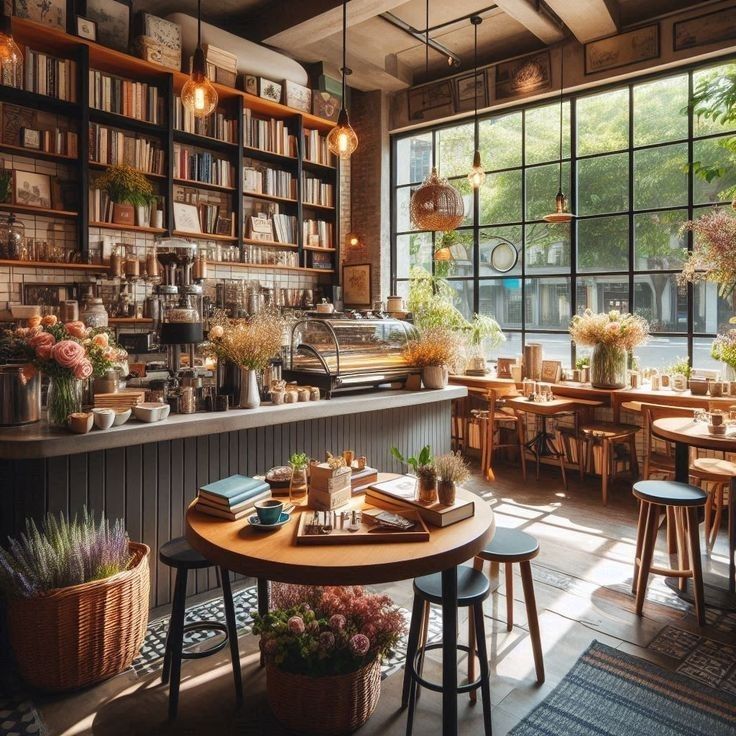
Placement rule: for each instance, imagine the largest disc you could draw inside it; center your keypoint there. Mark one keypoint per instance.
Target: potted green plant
(452, 471)
(299, 481)
(423, 467)
(127, 188)
(323, 649)
(483, 332)
(76, 593)
(435, 351)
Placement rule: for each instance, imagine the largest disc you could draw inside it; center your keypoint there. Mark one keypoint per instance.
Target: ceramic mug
(269, 511)
(103, 418)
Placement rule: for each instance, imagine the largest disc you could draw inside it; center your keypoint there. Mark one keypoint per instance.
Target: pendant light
(560, 215)
(11, 57)
(435, 205)
(476, 175)
(342, 140)
(198, 95)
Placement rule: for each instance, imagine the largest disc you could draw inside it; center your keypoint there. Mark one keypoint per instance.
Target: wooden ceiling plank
(587, 19)
(537, 23)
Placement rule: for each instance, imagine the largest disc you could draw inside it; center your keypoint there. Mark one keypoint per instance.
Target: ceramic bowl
(148, 412)
(165, 409)
(80, 422)
(121, 416)
(103, 418)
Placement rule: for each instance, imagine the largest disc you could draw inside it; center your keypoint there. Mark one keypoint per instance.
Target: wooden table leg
(605, 450)
(449, 652)
(264, 600)
(521, 429)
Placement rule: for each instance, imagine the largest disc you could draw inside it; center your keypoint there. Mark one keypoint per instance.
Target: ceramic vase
(446, 491)
(250, 394)
(435, 376)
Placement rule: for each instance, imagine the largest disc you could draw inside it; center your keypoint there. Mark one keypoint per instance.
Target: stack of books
(222, 66)
(110, 146)
(264, 180)
(125, 97)
(269, 134)
(232, 498)
(362, 479)
(48, 75)
(202, 166)
(316, 149)
(284, 228)
(213, 126)
(319, 228)
(315, 191)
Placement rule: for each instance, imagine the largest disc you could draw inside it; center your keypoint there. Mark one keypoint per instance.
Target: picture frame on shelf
(30, 138)
(113, 19)
(325, 105)
(269, 90)
(223, 225)
(435, 98)
(52, 295)
(623, 49)
(551, 371)
(297, 96)
(86, 28)
(259, 227)
(504, 366)
(702, 30)
(186, 217)
(523, 77)
(31, 189)
(356, 284)
(464, 90)
(50, 13)
(250, 84)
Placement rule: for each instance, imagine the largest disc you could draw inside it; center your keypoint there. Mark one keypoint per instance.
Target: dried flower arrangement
(624, 331)
(126, 185)
(436, 346)
(321, 631)
(249, 343)
(713, 257)
(451, 468)
(61, 554)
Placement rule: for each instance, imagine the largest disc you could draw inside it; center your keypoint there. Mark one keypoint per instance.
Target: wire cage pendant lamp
(435, 205)
(561, 213)
(198, 95)
(476, 175)
(342, 139)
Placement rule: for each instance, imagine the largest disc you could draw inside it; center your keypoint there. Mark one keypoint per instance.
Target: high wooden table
(685, 433)
(275, 556)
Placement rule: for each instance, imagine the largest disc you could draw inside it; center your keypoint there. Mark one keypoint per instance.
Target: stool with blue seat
(472, 589)
(179, 555)
(681, 501)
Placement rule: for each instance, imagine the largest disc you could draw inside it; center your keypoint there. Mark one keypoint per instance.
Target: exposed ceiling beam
(587, 19)
(526, 13)
(415, 33)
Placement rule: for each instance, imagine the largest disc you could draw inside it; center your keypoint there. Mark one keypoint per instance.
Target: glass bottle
(16, 237)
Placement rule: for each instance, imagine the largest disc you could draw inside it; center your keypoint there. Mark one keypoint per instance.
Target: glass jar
(16, 238)
(608, 367)
(298, 484)
(64, 397)
(94, 313)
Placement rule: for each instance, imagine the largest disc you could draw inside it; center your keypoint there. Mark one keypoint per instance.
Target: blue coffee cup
(269, 511)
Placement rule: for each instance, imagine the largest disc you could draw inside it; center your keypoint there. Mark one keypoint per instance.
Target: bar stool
(178, 554)
(658, 496)
(493, 420)
(509, 546)
(472, 589)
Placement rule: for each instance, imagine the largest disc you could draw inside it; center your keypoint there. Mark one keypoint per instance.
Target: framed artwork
(223, 225)
(250, 84)
(86, 28)
(49, 12)
(49, 295)
(551, 371)
(504, 366)
(259, 227)
(464, 90)
(523, 76)
(356, 284)
(186, 217)
(269, 90)
(709, 28)
(436, 98)
(325, 105)
(112, 18)
(30, 138)
(297, 96)
(32, 190)
(622, 49)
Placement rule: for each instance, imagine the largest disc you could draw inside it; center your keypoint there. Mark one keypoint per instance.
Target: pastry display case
(338, 353)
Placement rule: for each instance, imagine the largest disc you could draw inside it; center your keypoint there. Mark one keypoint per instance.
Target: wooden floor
(582, 582)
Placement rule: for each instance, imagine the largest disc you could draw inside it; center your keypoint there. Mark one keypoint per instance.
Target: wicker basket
(327, 706)
(76, 636)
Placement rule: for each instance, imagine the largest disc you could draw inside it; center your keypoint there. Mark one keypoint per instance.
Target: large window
(625, 157)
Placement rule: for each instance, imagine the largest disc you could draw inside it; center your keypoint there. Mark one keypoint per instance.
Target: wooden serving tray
(369, 533)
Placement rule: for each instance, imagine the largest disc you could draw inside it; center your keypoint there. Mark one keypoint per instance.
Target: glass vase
(298, 485)
(728, 373)
(608, 367)
(64, 398)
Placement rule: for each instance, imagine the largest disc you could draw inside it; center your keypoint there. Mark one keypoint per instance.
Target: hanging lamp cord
(475, 73)
(426, 42)
(344, 47)
(562, 84)
(199, 23)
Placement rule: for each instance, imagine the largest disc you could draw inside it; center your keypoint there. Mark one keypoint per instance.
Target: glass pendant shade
(436, 205)
(560, 214)
(11, 57)
(476, 175)
(342, 140)
(198, 95)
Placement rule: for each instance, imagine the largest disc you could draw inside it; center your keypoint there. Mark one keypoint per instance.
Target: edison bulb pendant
(476, 175)
(199, 96)
(560, 214)
(342, 140)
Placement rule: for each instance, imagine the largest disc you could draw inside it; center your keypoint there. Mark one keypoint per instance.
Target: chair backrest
(495, 396)
(652, 412)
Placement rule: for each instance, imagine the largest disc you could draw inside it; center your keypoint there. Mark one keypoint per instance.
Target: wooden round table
(685, 433)
(275, 556)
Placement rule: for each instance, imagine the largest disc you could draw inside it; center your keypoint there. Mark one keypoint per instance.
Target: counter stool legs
(417, 614)
(640, 528)
(651, 527)
(175, 642)
(527, 583)
(693, 532)
(264, 600)
(509, 570)
(449, 652)
(479, 645)
(232, 632)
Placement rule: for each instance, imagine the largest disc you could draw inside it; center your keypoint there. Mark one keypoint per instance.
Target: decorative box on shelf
(329, 487)
(158, 40)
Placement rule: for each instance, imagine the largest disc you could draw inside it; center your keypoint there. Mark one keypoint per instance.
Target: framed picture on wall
(113, 20)
(433, 98)
(465, 88)
(523, 76)
(31, 189)
(623, 49)
(356, 284)
(49, 12)
(551, 371)
(86, 28)
(709, 28)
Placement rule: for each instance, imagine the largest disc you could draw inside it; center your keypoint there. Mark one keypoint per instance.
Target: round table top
(275, 555)
(692, 433)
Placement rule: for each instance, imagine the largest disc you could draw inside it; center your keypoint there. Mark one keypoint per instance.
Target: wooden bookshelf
(314, 206)
(203, 141)
(319, 249)
(193, 183)
(204, 236)
(271, 197)
(270, 243)
(39, 211)
(270, 266)
(262, 154)
(98, 165)
(128, 228)
(34, 153)
(92, 267)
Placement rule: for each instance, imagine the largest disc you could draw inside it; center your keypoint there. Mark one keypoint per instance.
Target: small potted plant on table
(128, 189)
(424, 470)
(452, 471)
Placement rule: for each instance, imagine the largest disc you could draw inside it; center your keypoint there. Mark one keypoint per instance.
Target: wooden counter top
(39, 440)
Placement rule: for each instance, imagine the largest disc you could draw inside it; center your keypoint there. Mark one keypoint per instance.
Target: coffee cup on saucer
(269, 510)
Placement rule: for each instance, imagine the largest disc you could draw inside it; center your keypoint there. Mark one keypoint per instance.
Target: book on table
(400, 493)
(233, 491)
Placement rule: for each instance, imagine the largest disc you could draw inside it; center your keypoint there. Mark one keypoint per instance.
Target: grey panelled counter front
(148, 473)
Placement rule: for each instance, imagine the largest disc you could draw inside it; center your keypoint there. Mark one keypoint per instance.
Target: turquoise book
(233, 490)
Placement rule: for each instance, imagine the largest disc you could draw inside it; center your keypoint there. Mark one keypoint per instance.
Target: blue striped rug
(609, 693)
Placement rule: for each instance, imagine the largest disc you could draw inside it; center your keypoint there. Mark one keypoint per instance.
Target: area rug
(609, 693)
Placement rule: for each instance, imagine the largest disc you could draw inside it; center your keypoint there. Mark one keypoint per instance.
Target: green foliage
(483, 328)
(431, 301)
(582, 362)
(299, 460)
(126, 185)
(680, 365)
(414, 462)
(6, 185)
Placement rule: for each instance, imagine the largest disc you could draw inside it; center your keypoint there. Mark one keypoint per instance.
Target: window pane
(511, 348)
(660, 110)
(463, 297)
(403, 214)
(701, 126)
(661, 352)
(493, 237)
(603, 293)
(455, 147)
(501, 299)
(603, 244)
(659, 300)
(413, 158)
(712, 153)
(710, 311)
(658, 243)
(460, 245)
(660, 177)
(466, 192)
(554, 347)
(542, 131)
(702, 357)
(547, 248)
(413, 250)
(542, 183)
(603, 184)
(603, 122)
(547, 303)
(500, 198)
(500, 141)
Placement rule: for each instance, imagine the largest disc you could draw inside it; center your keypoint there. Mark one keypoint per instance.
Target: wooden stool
(472, 589)
(609, 434)
(658, 496)
(718, 472)
(509, 546)
(178, 554)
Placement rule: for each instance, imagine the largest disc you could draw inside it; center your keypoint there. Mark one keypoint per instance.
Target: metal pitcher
(20, 398)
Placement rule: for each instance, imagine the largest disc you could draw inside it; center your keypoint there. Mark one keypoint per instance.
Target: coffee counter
(147, 474)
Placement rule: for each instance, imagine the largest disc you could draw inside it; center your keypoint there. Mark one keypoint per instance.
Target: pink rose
(43, 352)
(359, 645)
(83, 370)
(42, 339)
(76, 329)
(49, 320)
(68, 354)
(101, 340)
(296, 625)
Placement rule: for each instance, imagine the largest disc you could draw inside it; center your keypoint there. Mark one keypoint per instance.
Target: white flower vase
(435, 376)
(250, 395)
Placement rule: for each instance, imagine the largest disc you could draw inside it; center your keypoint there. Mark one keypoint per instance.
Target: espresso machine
(179, 313)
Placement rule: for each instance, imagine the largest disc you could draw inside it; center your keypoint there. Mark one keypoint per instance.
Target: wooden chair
(718, 472)
(659, 455)
(492, 420)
